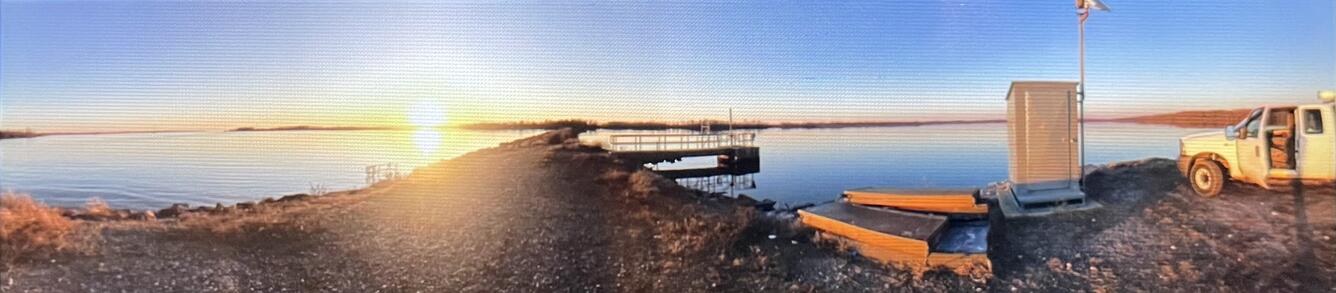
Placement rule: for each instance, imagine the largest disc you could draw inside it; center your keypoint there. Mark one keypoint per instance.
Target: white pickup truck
(1273, 145)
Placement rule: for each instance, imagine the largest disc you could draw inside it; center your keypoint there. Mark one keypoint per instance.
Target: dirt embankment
(548, 214)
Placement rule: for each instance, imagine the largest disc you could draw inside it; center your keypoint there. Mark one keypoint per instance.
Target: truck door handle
(1257, 151)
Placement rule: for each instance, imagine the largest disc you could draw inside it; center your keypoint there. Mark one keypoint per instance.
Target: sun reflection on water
(427, 140)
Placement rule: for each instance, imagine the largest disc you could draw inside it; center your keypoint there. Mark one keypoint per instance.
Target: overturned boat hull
(914, 239)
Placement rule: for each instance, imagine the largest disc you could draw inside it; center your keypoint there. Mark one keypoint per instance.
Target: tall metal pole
(731, 137)
(1081, 93)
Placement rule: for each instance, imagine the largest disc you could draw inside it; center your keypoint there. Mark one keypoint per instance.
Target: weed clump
(29, 228)
(644, 183)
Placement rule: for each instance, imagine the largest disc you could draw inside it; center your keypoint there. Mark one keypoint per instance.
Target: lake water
(816, 165)
(150, 171)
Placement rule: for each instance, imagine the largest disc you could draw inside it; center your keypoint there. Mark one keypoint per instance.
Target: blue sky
(113, 65)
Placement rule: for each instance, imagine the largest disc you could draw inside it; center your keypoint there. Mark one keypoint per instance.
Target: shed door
(1051, 158)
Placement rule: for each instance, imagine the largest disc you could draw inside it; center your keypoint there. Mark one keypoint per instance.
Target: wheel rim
(1203, 179)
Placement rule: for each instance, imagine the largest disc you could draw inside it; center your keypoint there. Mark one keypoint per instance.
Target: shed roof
(1039, 84)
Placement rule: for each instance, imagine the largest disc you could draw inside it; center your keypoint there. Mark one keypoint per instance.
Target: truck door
(1253, 150)
(1316, 158)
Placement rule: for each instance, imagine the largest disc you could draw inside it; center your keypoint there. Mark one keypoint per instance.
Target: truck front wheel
(1207, 178)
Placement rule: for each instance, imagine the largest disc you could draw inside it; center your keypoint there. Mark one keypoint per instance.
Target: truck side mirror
(1231, 132)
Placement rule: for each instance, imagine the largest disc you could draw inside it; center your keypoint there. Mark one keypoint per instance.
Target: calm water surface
(816, 165)
(149, 171)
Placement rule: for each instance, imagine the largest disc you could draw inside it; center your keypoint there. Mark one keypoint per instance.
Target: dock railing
(678, 142)
(383, 172)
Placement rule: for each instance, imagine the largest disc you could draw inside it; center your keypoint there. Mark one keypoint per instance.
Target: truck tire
(1207, 178)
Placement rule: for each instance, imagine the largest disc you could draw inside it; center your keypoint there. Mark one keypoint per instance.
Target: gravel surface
(1154, 234)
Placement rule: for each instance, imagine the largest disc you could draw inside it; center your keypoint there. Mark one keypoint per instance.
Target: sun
(426, 113)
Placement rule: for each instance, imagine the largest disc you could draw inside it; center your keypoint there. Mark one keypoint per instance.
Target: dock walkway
(659, 148)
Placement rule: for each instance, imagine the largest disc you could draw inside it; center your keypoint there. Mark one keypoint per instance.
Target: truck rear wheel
(1207, 178)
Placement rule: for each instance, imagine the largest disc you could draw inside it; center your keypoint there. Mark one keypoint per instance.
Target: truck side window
(1254, 126)
(1313, 121)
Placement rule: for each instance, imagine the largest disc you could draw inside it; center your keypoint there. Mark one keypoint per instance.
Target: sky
(139, 65)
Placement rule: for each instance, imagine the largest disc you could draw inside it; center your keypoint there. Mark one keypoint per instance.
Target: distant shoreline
(1185, 119)
(1191, 119)
(9, 134)
(696, 125)
(14, 134)
(309, 128)
(5, 134)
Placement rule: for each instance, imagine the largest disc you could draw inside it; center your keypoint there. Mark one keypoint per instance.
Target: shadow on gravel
(1154, 234)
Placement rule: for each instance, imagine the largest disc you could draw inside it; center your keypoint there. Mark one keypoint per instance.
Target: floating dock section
(951, 201)
(920, 228)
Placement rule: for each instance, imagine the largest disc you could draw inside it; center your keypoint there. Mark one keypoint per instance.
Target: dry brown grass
(29, 229)
(96, 207)
(694, 234)
(233, 222)
(644, 183)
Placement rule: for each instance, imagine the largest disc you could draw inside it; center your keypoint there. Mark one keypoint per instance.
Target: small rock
(144, 216)
(176, 210)
(746, 200)
(765, 205)
(221, 209)
(299, 196)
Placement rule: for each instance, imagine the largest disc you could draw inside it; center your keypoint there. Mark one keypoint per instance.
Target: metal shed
(1043, 126)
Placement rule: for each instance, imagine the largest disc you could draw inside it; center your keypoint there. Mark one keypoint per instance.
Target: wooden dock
(951, 201)
(659, 148)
